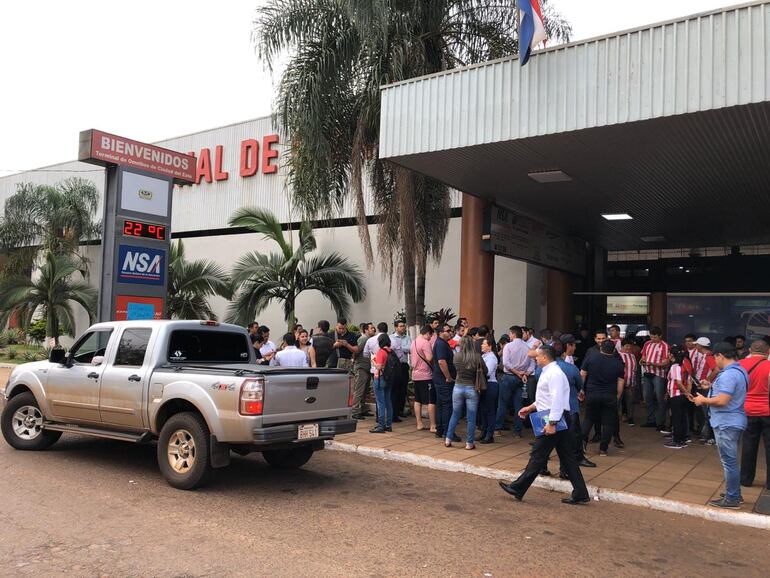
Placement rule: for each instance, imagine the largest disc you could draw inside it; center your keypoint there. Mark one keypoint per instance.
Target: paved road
(100, 508)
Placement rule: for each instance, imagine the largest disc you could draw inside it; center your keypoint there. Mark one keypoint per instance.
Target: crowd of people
(690, 391)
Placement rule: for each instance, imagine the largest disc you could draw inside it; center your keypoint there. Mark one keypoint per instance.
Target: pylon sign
(136, 229)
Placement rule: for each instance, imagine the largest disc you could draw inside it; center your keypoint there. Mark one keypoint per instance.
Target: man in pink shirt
(421, 358)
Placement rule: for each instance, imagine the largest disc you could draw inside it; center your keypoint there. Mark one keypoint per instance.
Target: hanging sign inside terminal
(512, 235)
(137, 221)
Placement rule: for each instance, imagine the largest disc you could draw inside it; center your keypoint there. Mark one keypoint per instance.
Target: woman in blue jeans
(382, 389)
(464, 394)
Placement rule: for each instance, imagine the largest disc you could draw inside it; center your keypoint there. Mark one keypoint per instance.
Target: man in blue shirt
(728, 418)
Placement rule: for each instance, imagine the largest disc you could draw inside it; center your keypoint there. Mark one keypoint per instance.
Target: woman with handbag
(468, 363)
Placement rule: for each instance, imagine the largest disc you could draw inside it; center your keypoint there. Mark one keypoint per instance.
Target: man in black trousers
(552, 395)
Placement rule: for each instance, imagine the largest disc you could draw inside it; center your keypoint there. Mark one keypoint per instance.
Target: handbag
(481, 377)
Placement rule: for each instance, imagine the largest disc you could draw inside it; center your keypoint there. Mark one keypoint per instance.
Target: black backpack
(391, 369)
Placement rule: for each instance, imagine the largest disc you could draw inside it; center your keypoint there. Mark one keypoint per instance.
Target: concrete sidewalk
(692, 475)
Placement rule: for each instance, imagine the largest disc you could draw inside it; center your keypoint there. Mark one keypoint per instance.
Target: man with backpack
(386, 367)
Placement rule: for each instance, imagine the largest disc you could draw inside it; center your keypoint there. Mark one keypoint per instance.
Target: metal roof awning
(669, 124)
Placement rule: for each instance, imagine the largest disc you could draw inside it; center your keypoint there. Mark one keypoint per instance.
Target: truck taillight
(252, 396)
(351, 388)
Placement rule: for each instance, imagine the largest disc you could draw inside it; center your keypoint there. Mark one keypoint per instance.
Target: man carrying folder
(552, 395)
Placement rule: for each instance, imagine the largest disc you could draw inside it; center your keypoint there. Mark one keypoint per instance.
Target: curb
(556, 485)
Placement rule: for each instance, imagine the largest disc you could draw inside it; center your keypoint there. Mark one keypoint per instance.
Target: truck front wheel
(22, 424)
(288, 459)
(183, 451)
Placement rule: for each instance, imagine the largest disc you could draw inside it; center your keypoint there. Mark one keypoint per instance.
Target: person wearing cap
(570, 345)
(726, 396)
(707, 369)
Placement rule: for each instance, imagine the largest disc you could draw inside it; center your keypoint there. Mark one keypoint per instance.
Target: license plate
(307, 431)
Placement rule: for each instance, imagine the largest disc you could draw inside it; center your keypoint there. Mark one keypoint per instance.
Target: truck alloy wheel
(184, 451)
(22, 424)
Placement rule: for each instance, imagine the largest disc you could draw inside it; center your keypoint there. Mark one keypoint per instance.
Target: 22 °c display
(145, 230)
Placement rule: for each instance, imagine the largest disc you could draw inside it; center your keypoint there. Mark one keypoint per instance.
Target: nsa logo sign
(141, 265)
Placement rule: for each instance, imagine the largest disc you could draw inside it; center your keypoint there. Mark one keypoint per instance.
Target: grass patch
(23, 353)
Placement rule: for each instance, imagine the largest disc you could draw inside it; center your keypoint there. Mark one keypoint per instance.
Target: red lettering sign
(219, 174)
(102, 148)
(268, 154)
(204, 166)
(249, 155)
(250, 160)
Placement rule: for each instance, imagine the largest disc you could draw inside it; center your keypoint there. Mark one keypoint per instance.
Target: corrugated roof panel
(694, 64)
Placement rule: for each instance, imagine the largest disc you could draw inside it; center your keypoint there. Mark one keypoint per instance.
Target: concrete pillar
(477, 267)
(561, 312)
(658, 314)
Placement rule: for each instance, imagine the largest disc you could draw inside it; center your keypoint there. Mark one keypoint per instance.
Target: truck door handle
(134, 378)
(93, 375)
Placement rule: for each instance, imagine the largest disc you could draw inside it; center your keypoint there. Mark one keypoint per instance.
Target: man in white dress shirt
(290, 356)
(552, 395)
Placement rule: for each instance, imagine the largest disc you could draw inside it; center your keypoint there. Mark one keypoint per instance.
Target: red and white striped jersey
(655, 353)
(674, 375)
(697, 359)
(629, 363)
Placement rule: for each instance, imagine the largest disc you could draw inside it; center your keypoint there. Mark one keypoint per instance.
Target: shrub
(30, 356)
(3, 340)
(13, 335)
(11, 352)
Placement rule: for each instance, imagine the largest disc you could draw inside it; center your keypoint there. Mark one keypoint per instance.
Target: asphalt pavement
(91, 507)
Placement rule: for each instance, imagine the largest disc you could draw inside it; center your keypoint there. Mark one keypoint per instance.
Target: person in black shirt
(603, 376)
(322, 344)
(253, 328)
(345, 345)
(444, 374)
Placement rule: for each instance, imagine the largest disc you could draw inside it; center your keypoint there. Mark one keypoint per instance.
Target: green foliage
(11, 352)
(37, 330)
(52, 292)
(30, 356)
(12, 335)
(258, 279)
(191, 283)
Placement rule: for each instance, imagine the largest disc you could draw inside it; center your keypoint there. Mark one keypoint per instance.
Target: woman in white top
(488, 402)
(304, 345)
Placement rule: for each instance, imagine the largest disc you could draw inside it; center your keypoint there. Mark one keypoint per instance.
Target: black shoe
(740, 500)
(389, 429)
(358, 417)
(509, 490)
(487, 441)
(377, 429)
(545, 473)
(456, 438)
(586, 463)
(619, 444)
(573, 502)
(563, 476)
(397, 419)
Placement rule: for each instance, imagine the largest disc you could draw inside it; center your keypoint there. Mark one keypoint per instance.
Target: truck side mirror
(97, 360)
(57, 355)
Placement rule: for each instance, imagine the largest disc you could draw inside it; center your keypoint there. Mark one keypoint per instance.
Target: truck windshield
(200, 346)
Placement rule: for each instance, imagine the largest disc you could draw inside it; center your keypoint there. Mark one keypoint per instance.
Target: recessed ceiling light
(653, 239)
(549, 176)
(617, 216)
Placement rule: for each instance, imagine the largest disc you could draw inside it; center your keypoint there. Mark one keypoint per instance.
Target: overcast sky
(151, 70)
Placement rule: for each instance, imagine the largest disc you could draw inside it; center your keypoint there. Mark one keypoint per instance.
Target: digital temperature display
(145, 230)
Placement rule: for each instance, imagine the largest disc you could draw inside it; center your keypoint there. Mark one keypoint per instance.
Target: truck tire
(22, 424)
(184, 452)
(289, 459)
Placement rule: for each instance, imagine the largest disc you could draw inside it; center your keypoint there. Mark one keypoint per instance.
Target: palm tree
(329, 103)
(191, 283)
(51, 294)
(48, 219)
(258, 279)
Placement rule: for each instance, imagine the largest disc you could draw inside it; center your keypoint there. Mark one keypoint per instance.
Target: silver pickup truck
(194, 386)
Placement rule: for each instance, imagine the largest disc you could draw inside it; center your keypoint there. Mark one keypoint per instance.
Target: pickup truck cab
(194, 386)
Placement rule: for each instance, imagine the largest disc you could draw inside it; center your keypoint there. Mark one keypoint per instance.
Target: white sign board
(144, 194)
(628, 304)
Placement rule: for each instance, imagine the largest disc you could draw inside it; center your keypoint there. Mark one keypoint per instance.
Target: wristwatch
(553, 422)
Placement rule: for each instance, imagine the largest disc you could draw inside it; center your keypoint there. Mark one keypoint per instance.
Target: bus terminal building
(618, 179)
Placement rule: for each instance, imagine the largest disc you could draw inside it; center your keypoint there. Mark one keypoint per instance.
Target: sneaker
(688, 441)
(664, 432)
(603, 453)
(631, 423)
(724, 503)
(740, 500)
(378, 429)
(619, 444)
(673, 445)
(711, 442)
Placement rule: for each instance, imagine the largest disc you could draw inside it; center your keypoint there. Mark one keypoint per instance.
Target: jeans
(727, 444)
(382, 393)
(464, 396)
(488, 408)
(510, 386)
(443, 405)
(758, 427)
(655, 388)
(601, 408)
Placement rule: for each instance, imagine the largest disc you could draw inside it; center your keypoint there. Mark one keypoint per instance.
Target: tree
(42, 219)
(191, 283)
(258, 279)
(342, 51)
(50, 294)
